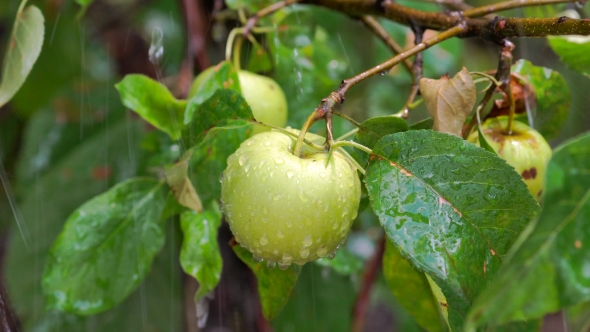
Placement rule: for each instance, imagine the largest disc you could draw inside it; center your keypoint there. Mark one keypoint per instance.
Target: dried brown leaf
(449, 100)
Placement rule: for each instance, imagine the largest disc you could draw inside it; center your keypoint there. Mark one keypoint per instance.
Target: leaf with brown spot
(549, 260)
(448, 206)
(449, 100)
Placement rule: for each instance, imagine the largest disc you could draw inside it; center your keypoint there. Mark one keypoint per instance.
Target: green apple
(284, 208)
(526, 150)
(265, 97)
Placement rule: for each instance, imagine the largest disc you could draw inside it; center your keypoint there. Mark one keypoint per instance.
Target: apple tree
(332, 158)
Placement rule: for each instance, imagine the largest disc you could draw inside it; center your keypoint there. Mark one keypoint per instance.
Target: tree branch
(265, 12)
(493, 29)
(362, 302)
(493, 8)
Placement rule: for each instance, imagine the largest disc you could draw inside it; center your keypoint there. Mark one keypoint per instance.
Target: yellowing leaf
(449, 100)
(181, 186)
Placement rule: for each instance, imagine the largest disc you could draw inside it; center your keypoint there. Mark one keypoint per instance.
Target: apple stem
(238, 53)
(311, 119)
(348, 134)
(292, 134)
(352, 144)
(508, 91)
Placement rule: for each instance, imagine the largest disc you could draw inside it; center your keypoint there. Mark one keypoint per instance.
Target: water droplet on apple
(280, 234)
(242, 160)
(283, 266)
(307, 241)
(290, 174)
(264, 210)
(263, 178)
(304, 253)
(322, 251)
(322, 174)
(267, 143)
(263, 240)
(344, 211)
(331, 255)
(279, 161)
(271, 264)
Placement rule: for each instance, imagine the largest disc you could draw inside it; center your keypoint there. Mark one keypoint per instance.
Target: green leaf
(226, 109)
(222, 76)
(549, 260)
(274, 284)
(449, 100)
(344, 262)
(574, 51)
(210, 160)
(23, 49)
(452, 209)
(106, 248)
(374, 128)
(483, 142)
(200, 255)
(553, 98)
(411, 289)
(153, 102)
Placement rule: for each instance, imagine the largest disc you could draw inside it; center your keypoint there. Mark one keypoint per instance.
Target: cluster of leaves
(467, 244)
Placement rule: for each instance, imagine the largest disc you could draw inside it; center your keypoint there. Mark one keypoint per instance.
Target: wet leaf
(549, 260)
(222, 76)
(553, 98)
(200, 255)
(274, 284)
(106, 248)
(23, 50)
(574, 51)
(226, 109)
(153, 102)
(181, 186)
(449, 101)
(452, 209)
(411, 289)
(374, 128)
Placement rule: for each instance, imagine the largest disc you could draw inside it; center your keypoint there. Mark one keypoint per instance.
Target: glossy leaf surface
(373, 129)
(222, 76)
(550, 259)
(199, 255)
(226, 109)
(451, 208)
(23, 50)
(274, 284)
(153, 102)
(106, 248)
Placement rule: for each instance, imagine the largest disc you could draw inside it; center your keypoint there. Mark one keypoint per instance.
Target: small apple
(526, 150)
(284, 208)
(265, 97)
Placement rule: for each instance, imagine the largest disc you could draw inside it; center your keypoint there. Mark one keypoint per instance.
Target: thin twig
(362, 302)
(380, 31)
(493, 8)
(458, 5)
(417, 70)
(265, 12)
